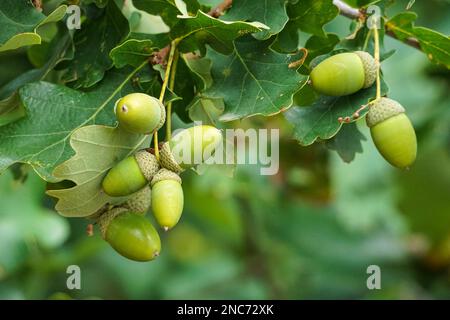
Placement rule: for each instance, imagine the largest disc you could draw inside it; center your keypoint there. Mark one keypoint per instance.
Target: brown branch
(160, 56)
(37, 4)
(353, 13)
(220, 9)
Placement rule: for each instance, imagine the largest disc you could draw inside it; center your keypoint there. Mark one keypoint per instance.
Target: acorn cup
(190, 147)
(130, 175)
(130, 234)
(167, 198)
(140, 113)
(344, 73)
(140, 201)
(392, 132)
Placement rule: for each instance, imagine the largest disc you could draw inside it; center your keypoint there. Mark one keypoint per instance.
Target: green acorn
(392, 132)
(140, 201)
(130, 234)
(344, 73)
(131, 174)
(167, 198)
(190, 147)
(140, 113)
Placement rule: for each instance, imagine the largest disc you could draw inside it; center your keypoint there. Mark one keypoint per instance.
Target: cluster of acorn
(391, 130)
(146, 181)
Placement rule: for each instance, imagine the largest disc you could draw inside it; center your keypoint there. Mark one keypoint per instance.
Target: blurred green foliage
(309, 232)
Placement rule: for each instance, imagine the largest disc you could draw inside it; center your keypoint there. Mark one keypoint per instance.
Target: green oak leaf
(402, 25)
(98, 3)
(271, 13)
(159, 40)
(434, 44)
(320, 120)
(166, 9)
(253, 80)
(206, 110)
(143, 22)
(20, 21)
(287, 40)
(13, 114)
(93, 43)
(202, 29)
(320, 48)
(187, 7)
(9, 97)
(186, 85)
(97, 149)
(320, 45)
(53, 112)
(192, 76)
(202, 68)
(310, 17)
(150, 82)
(347, 142)
(132, 52)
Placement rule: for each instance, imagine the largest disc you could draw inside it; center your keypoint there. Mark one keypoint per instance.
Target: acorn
(131, 174)
(140, 113)
(344, 73)
(190, 147)
(167, 198)
(392, 132)
(130, 234)
(140, 201)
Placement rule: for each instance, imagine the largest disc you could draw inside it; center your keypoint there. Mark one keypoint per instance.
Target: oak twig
(352, 13)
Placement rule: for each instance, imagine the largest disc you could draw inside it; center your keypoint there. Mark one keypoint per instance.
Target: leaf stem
(169, 104)
(168, 68)
(173, 47)
(376, 40)
(366, 41)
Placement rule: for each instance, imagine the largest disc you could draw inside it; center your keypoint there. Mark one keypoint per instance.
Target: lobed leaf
(87, 169)
(253, 80)
(434, 44)
(54, 112)
(320, 120)
(311, 15)
(20, 20)
(271, 13)
(203, 29)
(93, 44)
(132, 52)
(347, 142)
(9, 92)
